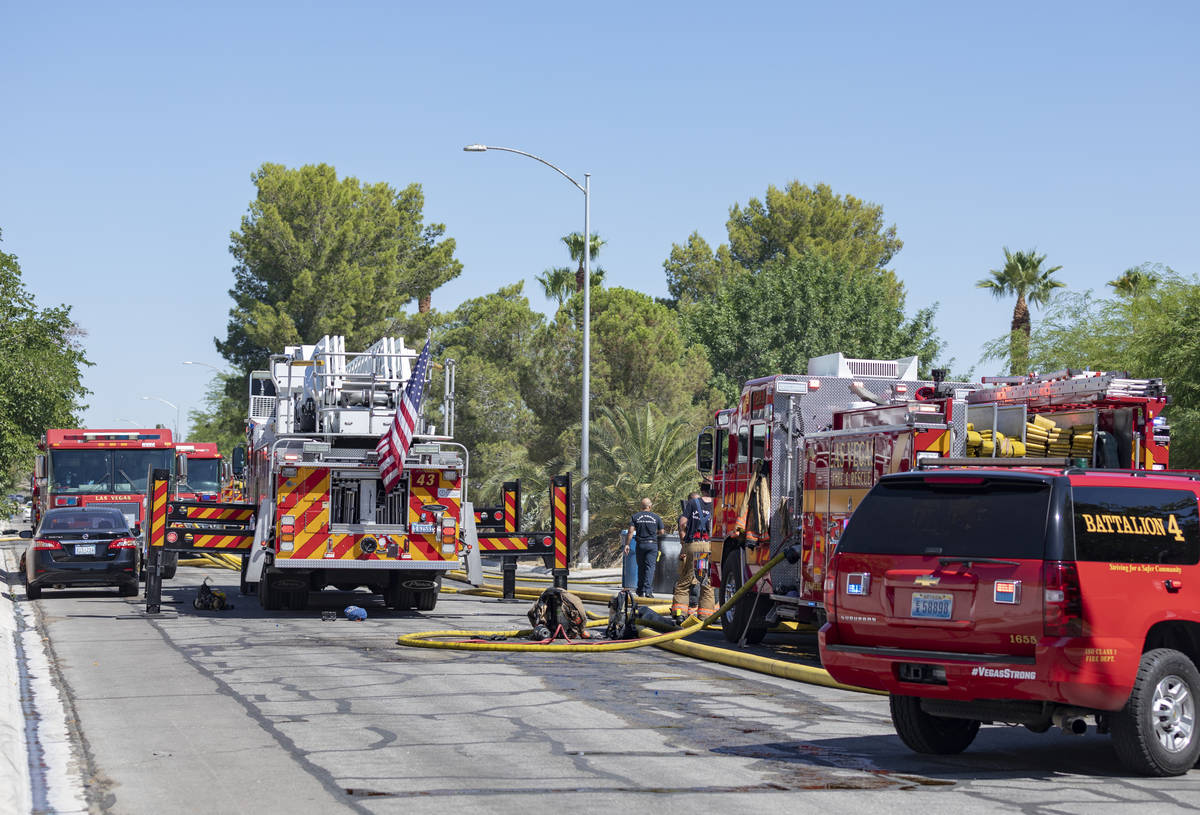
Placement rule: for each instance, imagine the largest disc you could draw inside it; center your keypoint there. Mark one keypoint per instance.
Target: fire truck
(201, 471)
(80, 467)
(323, 518)
(797, 454)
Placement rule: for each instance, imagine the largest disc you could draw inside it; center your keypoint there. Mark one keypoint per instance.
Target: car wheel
(734, 620)
(33, 592)
(925, 733)
(1155, 733)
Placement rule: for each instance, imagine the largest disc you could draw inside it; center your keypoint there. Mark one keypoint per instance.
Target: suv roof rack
(1131, 473)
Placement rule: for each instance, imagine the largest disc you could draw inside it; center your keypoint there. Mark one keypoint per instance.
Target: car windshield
(203, 474)
(83, 521)
(951, 518)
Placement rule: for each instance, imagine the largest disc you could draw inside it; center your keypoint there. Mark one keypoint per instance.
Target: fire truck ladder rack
(498, 534)
(994, 463)
(1066, 388)
(189, 526)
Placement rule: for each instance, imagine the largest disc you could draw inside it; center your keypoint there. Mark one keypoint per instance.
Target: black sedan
(84, 546)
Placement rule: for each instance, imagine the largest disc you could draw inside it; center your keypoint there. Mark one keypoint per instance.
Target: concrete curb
(15, 788)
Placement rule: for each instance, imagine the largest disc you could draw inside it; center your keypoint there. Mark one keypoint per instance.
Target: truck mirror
(39, 467)
(239, 460)
(181, 468)
(704, 451)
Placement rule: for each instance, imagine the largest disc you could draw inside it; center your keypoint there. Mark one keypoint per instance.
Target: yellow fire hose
(487, 640)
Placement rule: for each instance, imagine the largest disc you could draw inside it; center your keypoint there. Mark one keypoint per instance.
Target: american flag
(393, 445)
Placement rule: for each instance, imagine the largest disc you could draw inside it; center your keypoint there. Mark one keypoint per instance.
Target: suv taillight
(1062, 614)
(830, 587)
(123, 543)
(45, 544)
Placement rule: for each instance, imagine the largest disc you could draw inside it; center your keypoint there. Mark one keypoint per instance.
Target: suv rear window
(983, 518)
(1132, 525)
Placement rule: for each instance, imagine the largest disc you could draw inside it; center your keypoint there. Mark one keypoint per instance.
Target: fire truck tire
(170, 564)
(245, 586)
(296, 600)
(734, 621)
(427, 600)
(925, 733)
(269, 597)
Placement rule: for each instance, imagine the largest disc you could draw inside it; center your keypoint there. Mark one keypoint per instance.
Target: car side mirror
(26, 533)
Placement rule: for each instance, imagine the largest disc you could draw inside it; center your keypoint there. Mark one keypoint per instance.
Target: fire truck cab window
(743, 443)
(758, 444)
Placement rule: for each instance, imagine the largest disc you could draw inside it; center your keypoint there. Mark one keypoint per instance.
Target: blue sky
(131, 132)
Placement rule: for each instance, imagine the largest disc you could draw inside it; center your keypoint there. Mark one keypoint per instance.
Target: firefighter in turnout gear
(694, 525)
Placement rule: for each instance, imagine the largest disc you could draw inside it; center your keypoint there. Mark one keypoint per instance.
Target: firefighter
(694, 525)
(645, 534)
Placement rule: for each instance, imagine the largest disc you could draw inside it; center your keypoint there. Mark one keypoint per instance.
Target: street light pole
(582, 560)
(168, 404)
(204, 364)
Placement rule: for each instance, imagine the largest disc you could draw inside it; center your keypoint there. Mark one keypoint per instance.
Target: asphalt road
(240, 711)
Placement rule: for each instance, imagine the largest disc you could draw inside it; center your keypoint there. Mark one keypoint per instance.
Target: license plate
(932, 606)
(85, 548)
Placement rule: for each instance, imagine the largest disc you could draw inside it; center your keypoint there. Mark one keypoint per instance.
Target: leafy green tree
(223, 417)
(321, 255)
(637, 453)
(1137, 280)
(639, 355)
(1023, 276)
(41, 373)
(574, 243)
(557, 283)
(800, 220)
(1152, 335)
(489, 338)
(695, 272)
(801, 307)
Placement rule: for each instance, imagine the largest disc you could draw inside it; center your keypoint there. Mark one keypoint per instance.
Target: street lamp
(205, 364)
(585, 454)
(168, 404)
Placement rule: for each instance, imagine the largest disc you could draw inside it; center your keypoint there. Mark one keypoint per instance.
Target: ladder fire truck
(323, 518)
(797, 455)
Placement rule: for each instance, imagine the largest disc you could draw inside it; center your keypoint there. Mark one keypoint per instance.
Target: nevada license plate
(85, 548)
(932, 606)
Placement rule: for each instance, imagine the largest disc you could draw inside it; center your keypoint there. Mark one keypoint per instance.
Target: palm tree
(637, 454)
(558, 283)
(1023, 276)
(574, 243)
(1134, 282)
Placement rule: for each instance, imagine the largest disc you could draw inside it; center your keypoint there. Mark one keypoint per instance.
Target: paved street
(238, 711)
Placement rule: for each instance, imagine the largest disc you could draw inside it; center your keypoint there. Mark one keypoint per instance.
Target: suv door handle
(1173, 586)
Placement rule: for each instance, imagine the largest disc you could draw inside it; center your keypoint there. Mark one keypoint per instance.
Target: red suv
(1032, 597)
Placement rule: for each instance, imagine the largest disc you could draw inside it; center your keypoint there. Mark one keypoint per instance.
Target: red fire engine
(323, 517)
(80, 467)
(201, 470)
(798, 454)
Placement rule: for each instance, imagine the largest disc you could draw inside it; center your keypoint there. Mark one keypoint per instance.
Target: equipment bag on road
(557, 612)
(622, 613)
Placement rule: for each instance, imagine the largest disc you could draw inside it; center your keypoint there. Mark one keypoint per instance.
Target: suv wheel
(1155, 733)
(925, 733)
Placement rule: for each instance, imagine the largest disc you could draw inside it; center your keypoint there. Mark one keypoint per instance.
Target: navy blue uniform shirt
(647, 526)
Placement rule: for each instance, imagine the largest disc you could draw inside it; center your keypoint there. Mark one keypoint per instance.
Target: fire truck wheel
(269, 597)
(296, 600)
(427, 600)
(734, 621)
(170, 564)
(245, 586)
